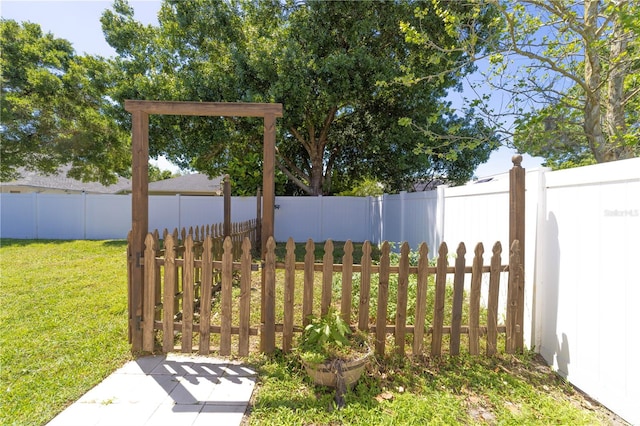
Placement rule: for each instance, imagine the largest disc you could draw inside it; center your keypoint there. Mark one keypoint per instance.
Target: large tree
(54, 108)
(596, 52)
(571, 70)
(335, 66)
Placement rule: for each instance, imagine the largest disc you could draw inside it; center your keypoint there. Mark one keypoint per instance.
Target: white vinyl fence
(582, 250)
(587, 281)
(403, 217)
(100, 216)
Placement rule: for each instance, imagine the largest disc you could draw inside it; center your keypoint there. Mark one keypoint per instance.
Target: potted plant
(332, 354)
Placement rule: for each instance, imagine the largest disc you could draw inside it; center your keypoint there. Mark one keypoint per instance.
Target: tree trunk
(593, 80)
(317, 174)
(315, 145)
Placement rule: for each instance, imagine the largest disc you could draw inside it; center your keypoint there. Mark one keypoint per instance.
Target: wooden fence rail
(183, 311)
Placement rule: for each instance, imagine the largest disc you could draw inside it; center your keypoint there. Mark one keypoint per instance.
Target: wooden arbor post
(139, 222)
(140, 111)
(226, 192)
(516, 232)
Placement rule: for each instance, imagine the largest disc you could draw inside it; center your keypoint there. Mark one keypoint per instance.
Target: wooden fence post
(257, 243)
(516, 232)
(227, 207)
(513, 297)
(139, 221)
(130, 266)
(268, 179)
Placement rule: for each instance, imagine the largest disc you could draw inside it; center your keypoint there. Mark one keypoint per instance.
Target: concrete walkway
(175, 390)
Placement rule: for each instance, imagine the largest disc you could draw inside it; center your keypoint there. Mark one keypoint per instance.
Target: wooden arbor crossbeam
(211, 109)
(140, 111)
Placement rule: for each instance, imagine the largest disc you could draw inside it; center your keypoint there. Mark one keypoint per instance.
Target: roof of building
(60, 181)
(196, 183)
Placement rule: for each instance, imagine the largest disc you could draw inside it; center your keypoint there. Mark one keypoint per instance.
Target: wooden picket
(244, 329)
(383, 297)
(458, 294)
(181, 285)
(438, 308)
(421, 299)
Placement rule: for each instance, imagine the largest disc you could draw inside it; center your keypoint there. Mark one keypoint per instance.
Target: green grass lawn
(63, 328)
(63, 316)
(504, 390)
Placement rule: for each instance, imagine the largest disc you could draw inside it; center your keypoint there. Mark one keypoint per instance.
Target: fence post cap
(517, 160)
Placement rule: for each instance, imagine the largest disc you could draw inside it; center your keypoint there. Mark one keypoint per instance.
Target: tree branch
(292, 167)
(297, 181)
(327, 123)
(300, 139)
(511, 26)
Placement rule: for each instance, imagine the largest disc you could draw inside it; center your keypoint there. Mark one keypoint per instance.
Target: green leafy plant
(330, 337)
(333, 355)
(330, 328)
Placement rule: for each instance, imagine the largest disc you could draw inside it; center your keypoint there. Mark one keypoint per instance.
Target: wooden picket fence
(180, 277)
(238, 232)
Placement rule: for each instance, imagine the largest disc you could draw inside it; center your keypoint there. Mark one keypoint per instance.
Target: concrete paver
(176, 390)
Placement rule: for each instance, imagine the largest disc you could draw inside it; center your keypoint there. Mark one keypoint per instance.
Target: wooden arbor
(140, 111)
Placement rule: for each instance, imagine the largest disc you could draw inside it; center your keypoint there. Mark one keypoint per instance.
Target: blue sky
(79, 22)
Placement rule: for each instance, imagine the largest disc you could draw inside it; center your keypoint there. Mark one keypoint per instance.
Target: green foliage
(330, 337)
(330, 329)
(366, 188)
(333, 65)
(595, 118)
(570, 72)
(53, 108)
(155, 174)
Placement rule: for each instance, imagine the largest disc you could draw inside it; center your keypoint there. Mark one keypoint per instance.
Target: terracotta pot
(326, 373)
